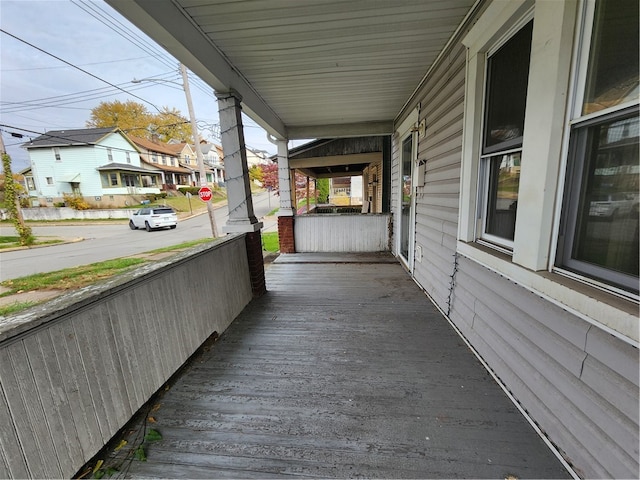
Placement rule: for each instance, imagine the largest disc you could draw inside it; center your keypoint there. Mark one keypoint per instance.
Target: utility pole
(196, 141)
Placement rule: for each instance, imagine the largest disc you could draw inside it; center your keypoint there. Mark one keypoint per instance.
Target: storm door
(406, 207)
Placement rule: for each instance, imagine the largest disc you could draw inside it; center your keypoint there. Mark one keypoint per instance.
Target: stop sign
(205, 193)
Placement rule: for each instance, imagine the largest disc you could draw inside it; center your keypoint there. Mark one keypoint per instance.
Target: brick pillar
(253, 242)
(285, 235)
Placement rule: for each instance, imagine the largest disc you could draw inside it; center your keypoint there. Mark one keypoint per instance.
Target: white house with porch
(101, 165)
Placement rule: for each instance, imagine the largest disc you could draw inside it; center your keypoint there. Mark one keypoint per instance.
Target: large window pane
(508, 75)
(607, 230)
(612, 76)
(504, 180)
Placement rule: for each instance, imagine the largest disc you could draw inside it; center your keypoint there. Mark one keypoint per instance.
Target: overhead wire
(122, 30)
(106, 18)
(62, 100)
(82, 65)
(77, 68)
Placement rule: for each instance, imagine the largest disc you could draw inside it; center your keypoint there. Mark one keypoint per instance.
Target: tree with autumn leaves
(269, 180)
(134, 118)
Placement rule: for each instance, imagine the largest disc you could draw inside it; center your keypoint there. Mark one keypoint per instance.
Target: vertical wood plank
(12, 461)
(55, 403)
(40, 452)
(76, 386)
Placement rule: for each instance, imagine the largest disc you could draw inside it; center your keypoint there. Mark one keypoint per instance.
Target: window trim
(402, 132)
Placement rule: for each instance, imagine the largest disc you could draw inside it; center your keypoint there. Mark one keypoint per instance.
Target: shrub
(76, 202)
(191, 190)
(152, 197)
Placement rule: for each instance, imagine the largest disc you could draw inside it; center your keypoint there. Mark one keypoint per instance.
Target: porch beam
(335, 160)
(350, 173)
(361, 129)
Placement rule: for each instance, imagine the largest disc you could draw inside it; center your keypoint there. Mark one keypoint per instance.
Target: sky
(61, 58)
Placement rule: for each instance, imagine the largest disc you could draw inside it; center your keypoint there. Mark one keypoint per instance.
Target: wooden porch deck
(343, 370)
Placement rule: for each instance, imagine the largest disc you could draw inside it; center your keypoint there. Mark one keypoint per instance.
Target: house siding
(83, 160)
(74, 160)
(576, 381)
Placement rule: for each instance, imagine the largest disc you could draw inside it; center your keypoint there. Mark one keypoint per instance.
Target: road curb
(31, 247)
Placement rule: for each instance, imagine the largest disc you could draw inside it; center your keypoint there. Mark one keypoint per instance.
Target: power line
(35, 104)
(78, 68)
(107, 19)
(83, 65)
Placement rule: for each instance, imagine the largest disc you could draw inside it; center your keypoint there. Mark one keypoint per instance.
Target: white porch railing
(342, 233)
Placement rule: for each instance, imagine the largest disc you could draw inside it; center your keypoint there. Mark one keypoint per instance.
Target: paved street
(105, 241)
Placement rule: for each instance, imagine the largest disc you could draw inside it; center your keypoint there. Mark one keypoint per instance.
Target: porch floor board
(344, 369)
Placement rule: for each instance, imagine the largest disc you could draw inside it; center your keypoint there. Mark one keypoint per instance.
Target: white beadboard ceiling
(306, 68)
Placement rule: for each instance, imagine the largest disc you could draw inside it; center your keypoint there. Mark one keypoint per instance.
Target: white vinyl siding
(578, 382)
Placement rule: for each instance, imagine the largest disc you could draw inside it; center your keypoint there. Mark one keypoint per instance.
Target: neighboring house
(187, 156)
(505, 124)
(213, 159)
(100, 164)
(256, 157)
(160, 156)
(185, 153)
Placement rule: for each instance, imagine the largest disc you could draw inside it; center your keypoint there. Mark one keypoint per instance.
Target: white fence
(342, 233)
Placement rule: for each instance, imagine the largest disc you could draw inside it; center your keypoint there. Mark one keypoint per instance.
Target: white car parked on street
(151, 218)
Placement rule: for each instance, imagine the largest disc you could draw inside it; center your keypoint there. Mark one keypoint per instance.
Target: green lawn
(14, 241)
(270, 242)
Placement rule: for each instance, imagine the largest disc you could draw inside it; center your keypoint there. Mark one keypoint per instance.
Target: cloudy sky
(61, 58)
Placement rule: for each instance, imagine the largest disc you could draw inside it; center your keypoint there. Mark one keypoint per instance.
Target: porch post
(240, 203)
(286, 211)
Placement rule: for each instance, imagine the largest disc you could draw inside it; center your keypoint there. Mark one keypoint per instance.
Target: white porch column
(241, 216)
(284, 180)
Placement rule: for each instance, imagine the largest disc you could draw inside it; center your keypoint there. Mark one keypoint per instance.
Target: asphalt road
(107, 241)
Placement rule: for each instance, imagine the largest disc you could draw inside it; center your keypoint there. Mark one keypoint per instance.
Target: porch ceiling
(312, 69)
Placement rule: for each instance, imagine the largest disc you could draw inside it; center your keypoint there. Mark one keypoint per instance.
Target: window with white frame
(507, 71)
(56, 154)
(128, 157)
(49, 180)
(110, 155)
(598, 235)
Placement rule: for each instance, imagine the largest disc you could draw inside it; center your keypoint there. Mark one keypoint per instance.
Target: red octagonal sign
(205, 194)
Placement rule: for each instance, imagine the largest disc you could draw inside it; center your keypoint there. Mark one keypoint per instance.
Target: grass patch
(272, 212)
(11, 242)
(270, 242)
(69, 278)
(181, 246)
(15, 307)
(184, 204)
